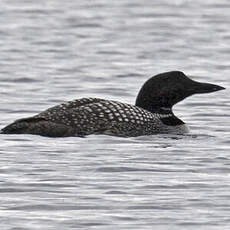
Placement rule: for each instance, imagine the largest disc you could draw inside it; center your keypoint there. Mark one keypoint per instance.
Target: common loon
(152, 113)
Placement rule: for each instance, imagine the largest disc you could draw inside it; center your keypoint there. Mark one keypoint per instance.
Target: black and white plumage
(152, 113)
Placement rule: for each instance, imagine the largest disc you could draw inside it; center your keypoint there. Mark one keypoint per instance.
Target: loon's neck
(152, 107)
(165, 114)
(158, 110)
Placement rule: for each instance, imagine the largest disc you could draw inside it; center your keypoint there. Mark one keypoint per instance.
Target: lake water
(52, 51)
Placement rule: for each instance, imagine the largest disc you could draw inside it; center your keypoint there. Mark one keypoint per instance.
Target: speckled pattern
(94, 116)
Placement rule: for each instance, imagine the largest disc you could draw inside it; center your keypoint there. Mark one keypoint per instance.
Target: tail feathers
(39, 126)
(20, 126)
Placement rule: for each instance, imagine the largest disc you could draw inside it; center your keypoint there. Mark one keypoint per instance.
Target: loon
(152, 113)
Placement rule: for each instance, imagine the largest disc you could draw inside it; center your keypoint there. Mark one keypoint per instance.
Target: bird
(151, 114)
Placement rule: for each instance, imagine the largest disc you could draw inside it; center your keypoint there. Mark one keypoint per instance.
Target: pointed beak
(206, 87)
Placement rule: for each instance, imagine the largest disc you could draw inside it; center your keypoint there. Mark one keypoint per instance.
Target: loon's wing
(66, 106)
(85, 116)
(54, 122)
(96, 116)
(104, 117)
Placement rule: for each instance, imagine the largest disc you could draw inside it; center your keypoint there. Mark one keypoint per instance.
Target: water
(60, 50)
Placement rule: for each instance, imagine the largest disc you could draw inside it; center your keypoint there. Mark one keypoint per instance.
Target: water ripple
(53, 51)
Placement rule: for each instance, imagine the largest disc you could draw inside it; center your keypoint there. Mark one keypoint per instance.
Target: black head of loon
(161, 92)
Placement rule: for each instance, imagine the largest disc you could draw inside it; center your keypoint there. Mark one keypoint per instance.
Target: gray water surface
(52, 51)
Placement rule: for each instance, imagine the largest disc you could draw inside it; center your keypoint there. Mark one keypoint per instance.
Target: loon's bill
(152, 113)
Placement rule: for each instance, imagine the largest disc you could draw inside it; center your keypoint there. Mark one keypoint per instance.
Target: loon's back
(152, 113)
(94, 116)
